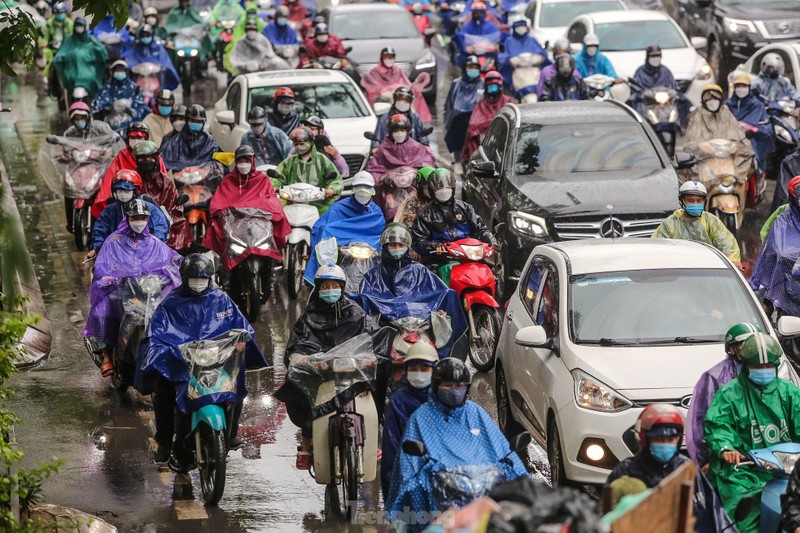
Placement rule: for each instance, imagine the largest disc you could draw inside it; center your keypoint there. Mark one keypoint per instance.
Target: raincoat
(348, 221)
(114, 90)
(81, 62)
(771, 221)
(409, 209)
(790, 167)
(461, 99)
(107, 30)
(298, 11)
(442, 223)
(254, 190)
(280, 35)
(123, 160)
(398, 289)
(381, 79)
(313, 170)
(706, 228)
(556, 90)
(481, 118)
(158, 125)
(112, 216)
(180, 17)
(125, 255)
(286, 123)
(256, 55)
(587, 65)
(515, 45)
(751, 110)
(705, 125)
(96, 128)
(251, 15)
(548, 73)
(710, 516)
(183, 317)
(773, 269)
(391, 155)
(52, 35)
(471, 32)
(223, 10)
(154, 53)
(649, 78)
(402, 404)
(464, 435)
(744, 417)
(271, 148)
(332, 48)
(774, 89)
(188, 149)
(162, 190)
(382, 128)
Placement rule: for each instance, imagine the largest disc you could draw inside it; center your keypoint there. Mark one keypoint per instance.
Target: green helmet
(423, 174)
(740, 333)
(760, 349)
(145, 148)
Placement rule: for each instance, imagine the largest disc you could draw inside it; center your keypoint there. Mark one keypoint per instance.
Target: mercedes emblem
(611, 228)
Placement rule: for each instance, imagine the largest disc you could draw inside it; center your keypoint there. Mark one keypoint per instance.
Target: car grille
(684, 85)
(600, 227)
(354, 162)
(365, 68)
(781, 28)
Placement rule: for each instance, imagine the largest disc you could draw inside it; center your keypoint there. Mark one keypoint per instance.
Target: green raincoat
(770, 221)
(188, 17)
(223, 10)
(54, 31)
(744, 417)
(706, 228)
(81, 62)
(295, 170)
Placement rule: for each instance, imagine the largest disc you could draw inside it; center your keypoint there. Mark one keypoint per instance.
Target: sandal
(106, 369)
(303, 461)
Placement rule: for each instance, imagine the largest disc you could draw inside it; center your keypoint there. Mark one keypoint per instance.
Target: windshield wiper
(613, 342)
(679, 340)
(694, 340)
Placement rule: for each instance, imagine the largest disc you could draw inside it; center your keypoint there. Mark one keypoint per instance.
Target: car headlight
(704, 72)
(528, 224)
(428, 60)
(783, 134)
(738, 25)
(593, 395)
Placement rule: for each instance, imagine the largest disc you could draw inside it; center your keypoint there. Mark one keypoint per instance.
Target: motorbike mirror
(546, 45)
(51, 139)
(789, 326)
(183, 199)
(414, 448)
(348, 49)
(330, 176)
(484, 169)
(427, 131)
(521, 441)
(684, 160)
(699, 43)
(272, 173)
(381, 108)
(744, 506)
(704, 3)
(370, 135)
(749, 134)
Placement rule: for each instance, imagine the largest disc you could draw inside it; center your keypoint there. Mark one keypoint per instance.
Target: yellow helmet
(742, 78)
(712, 87)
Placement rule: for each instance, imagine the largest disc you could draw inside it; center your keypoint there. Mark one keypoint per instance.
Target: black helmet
(178, 112)
(439, 179)
(196, 112)
(653, 50)
(136, 126)
(313, 122)
(320, 28)
(403, 92)
(257, 114)
(388, 51)
(450, 369)
(244, 150)
(196, 266)
(165, 97)
(282, 11)
(565, 66)
(399, 122)
(137, 208)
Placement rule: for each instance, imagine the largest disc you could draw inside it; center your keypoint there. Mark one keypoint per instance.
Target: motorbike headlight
(181, 53)
(726, 189)
(193, 53)
(704, 72)
(236, 249)
(661, 97)
(360, 252)
(787, 460)
(81, 156)
(593, 395)
(738, 25)
(428, 60)
(344, 364)
(473, 253)
(788, 106)
(528, 224)
(150, 285)
(783, 134)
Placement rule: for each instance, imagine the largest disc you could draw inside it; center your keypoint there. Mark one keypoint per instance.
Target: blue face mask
(694, 210)
(119, 76)
(473, 73)
(398, 253)
(60, 16)
(147, 40)
(281, 22)
(762, 376)
(493, 89)
(164, 110)
(330, 297)
(454, 397)
(663, 451)
(80, 124)
(195, 126)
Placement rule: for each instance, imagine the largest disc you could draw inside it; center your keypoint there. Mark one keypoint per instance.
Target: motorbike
(187, 44)
(74, 168)
(786, 127)
(289, 52)
(598, 85)
(757, 181)
(355, 258)
(119, 116)
(486, 47)
(198, 184)
(113, 43)
(525, 77)
(475, 283)
(716, 169)
(148, 79)
(301, 217)
(331, 63)
(339, 384)
(450, 13)
(225, 37)
(659, 106)
(394, 187)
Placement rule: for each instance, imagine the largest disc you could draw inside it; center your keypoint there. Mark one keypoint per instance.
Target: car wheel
(505, 418)
(715, 59)
(555, 456)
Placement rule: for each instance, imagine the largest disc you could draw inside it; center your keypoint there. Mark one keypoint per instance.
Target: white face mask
(244, 168)
(322, 38)
(742, 92)
(521, 30)
(402, 106)
(654, 62)
(399, 136)
(363, 197)
(444, 195)
(419, 380)
(123, 196)
(713, 105)
(258, 129)
(178, 125)
(252, 35)
(591, 51)
(198, 285)
(153, 21)
(80, 29)
(285, 109)
(303, 149)
(137, 225)
(388, 63)
(133, 142)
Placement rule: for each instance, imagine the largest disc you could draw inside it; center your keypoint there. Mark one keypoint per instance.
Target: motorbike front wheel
(296, 267)
(487, 332)
(729, 219)
(349, 462)
(212, 464)
(82, 227)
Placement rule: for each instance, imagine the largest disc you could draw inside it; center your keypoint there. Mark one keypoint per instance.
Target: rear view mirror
(381, 108)
(272, 173)
(699, 43)
(484, 169)
(414, 448)
(427, 131)
(183, 199)
(370, 135)
(348, 49)
(684, 160)
(789, 326)
(531, 337)
(521, 441)
(226, 117)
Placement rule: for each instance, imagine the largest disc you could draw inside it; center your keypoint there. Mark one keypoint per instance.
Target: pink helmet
(79, 107)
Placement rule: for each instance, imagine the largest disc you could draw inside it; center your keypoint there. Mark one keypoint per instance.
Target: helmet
(740, 333)
(362, 179)
(421, 180)
(742, 78)
(479, 6)
(772, 65)
(450, 369)
(127, 180)
(313, 122)
(147, 29)
(320, 28)
(712, 88)
(137, 208)
(421, 351)
(472, 60)
(417, 8)
(144, 149)
(330, 271)
(196, 266)
(282, 11)
(396, 232)
(403, 92)
(565, 65)
(60, 7)
(440, 179)
(244, 150)
(653, 50)
(79, 93)
(119, 63)
(257, 114)
(178, 111)
(150, 11)
(493, 78)
(654, 415)
(79, 108)
(793, 186)
(561, 45)
(196, 112)
(399, 122)
(519, 21)
(165, 97)
(136, 126)
(388, 51)
(284, 93)
(692, 188)
(251, 26)
(591, 39)
(301, 135)
(761, 349)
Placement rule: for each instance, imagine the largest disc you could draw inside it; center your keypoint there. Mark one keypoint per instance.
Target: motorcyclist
(659, 430)
(749, 109)
(120, 87)
(160, 121)
(446, 219)
(79, 94)
(194, 311)
(388, 76)
(252, 53)
(223, 10)
(708, 385)
(655, 74)
(567, 84)
(151, 19)
(108, 28)
(771, 84)
(412, 205)
(299, 16)
(184, 15)
(520, 41)
(270, 144)
(283, 114)
(455, 432)
(126, 187)
(693, 223)
(56, 29)
(279, 32)
(80, 61)
(461, 99)
(755, 410)
(590, 60)
(477, 26)
(398, 149)
(307, 165)
(146, 49)
(323, 143)
(130, 252)
(325, 44)
(192, 146)
(402, 98)
(178, 121)
(82, 125)
(560, 48)
(492, 102)
(250, 17)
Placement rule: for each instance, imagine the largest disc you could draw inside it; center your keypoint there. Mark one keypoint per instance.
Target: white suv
(599, 329)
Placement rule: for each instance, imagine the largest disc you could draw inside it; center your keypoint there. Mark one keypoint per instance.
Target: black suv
(556, 171)
(735, 29)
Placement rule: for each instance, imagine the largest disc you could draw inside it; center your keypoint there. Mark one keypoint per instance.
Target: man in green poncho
(307, 165)
(755, 410)
(183, 16)
(81, 60)
(56, 29)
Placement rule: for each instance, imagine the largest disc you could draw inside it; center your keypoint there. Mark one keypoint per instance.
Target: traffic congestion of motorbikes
(404, 287)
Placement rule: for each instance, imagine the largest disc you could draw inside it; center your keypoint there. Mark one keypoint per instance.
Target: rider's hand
(240, 346)
(704, 468)
(329, 193)
(732, 457)
(440, 249)
(344, 63)
(331, 151)
(91, 254)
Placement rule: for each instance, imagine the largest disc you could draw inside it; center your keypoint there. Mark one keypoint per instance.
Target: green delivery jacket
(744, 417)
(81, 62)
(295, 170)
(706, 228)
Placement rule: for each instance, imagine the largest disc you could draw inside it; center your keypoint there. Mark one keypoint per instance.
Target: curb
(66, 520)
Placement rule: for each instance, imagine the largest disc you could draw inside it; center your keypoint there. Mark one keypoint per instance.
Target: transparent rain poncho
(214, 365)
(706, 228)
(74, 167)
(255, 55)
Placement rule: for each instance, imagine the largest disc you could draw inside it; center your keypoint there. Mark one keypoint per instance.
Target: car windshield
(359, 26)
(753, 2)
(555, 14)
(326, 100)
(658, 306)
(562, 152)
(638, 35)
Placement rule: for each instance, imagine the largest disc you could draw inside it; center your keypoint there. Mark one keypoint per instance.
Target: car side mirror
(183, 199)
(699, 43)
(51, 139)
(381, 108)
(684, 160)
(348, 49)
(370, 135)
(226, 117)
(414, 448)
(532, 337)
(789, 326)
(484, 169)
(521, 441)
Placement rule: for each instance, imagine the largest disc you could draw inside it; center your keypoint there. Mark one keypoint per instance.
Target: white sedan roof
(295, 77)
(602, 17)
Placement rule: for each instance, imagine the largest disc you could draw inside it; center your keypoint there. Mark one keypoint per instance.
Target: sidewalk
(66, 520)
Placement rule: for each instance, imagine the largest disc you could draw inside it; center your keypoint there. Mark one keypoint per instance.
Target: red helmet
(658, 414)
(284, 93)
(399, 122)
(79, 107)
(493, 77)
(129, 176)
(301, 135)
(793, 187)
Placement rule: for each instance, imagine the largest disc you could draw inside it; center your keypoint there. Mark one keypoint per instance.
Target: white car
(550, 18)
(329, 94)
(624, 36)
(599, 329)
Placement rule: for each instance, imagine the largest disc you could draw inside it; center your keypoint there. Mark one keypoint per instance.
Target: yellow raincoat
(706, 228)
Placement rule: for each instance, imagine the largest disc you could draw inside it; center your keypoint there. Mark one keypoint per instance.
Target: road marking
(190, 510)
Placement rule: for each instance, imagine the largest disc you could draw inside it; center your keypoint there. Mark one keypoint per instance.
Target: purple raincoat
(125, 255)
(773, 270)
(391, 155)
(710, 382)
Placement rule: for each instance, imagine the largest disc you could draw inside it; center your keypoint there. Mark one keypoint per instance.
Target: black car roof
(574, 112)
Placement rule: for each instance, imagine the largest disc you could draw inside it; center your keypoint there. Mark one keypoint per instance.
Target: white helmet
(363, 179)
(772, 64)
(694, 188)
(421, 351)
(330, 271)
(591, 40)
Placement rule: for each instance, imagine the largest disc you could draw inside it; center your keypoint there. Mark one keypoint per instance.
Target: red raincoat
(479, 122)
(333, 48)
(163, 191)
(382, 79)
(124, 160)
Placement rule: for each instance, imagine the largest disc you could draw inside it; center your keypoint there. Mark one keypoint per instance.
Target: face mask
(694, 210)
(363, 197)
(285, 109)
(399, 136)
(252, 35)
(388, 63)
(330, 297)
(195, 126)
(80, 124)
(522, 31)
(654, 62)
(80, 29)
(493, 90)
(302, 149)
(477, 18)
(146, 166)
(419, 380)
(742, 92)
(281, 22)
(772, 73)
(153, 21)
(258, 129)
(322, 39)
(444, 195)
(473, 73)
(402, 106)
(454, 397)
(60, 16)
(119, 76)
(244, 168)
(398, 253)
(133, 142)
(198, 285)
(164, 110)
(147, 40)
(712, 105)
(137, 225)
(591, 51)
(123, 196)
(663, 451)
(178, 125)
(762, 376)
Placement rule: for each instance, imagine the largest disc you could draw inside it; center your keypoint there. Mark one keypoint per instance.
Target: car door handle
(510, 315)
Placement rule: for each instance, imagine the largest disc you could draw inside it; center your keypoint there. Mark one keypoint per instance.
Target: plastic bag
(214, 364)
(74, 167)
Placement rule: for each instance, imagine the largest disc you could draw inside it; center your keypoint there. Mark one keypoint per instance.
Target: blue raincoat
(462, 98)
(382, 129)
(472, 29)
(398, 289)
(774, 267)
(774, 89)
(599, 64)
(179, 319)
(348, 221)
(112, 215)
(464, 435)
(650, 78)
(279, 36)
(107, 26)
(751, 110)
(114, 90)
(154, 53)
(188, 149)
(404, 401)
(515, 45)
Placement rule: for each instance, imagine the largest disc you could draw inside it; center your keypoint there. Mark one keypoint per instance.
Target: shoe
(181, 468)
(304, 461)
(235, 443)
(161, 455)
